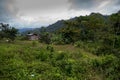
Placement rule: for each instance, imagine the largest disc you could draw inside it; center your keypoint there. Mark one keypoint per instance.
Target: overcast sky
(37, 13)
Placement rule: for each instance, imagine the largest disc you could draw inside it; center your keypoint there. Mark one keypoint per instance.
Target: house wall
(33, 37)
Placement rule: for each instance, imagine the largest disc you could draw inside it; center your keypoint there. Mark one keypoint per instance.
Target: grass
(28, 60)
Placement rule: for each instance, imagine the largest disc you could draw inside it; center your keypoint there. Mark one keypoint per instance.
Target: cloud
(82, 4)
(42, 8)
(8, 11)
(36, 13)
(103, 6)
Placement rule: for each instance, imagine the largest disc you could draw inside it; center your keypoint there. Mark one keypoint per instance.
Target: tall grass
(31, 61)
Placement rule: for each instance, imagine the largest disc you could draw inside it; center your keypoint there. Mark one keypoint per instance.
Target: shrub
(34, 43)
(57, 39)
(108, 66)
(79, 44)
(22, 38)
(103, 50)
(45, 38)
(50, 48)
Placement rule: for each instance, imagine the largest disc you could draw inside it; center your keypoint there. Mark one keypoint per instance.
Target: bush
(45, 38)
(57, 39)
(24, 62)
(34, 43)
(79, 44)
(50, 48)
(22, 38)
(104, 50)
(108, 66)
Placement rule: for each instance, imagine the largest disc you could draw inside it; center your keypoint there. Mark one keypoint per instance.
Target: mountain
(50, 28)
(25, 29)
(61, 23)
(55, 26)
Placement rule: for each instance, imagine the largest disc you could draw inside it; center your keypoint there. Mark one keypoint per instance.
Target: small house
(32, 36)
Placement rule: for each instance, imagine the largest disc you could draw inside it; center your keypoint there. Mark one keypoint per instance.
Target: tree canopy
(6, 31)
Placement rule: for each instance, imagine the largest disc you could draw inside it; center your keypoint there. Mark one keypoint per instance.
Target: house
(32, 36)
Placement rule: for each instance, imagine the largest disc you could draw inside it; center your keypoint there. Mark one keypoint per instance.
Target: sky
(37, 13)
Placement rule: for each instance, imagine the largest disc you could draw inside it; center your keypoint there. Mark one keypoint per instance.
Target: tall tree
(7, 32)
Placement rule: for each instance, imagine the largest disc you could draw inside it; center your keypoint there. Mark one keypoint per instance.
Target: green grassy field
(31, 60)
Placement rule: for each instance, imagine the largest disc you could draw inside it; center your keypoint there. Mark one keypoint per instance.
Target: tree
(45, 38)
(7, 32)
(70, 32)
(111, 39)
(115, 20)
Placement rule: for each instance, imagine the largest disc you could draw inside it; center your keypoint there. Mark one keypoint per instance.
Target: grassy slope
(23, 54)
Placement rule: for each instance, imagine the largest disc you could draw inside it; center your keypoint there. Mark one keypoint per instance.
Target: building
(32, 36)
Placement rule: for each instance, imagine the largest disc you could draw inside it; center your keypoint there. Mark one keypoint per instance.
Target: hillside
(27, 61)
(61, 23)
(55, 26)
(84, 48)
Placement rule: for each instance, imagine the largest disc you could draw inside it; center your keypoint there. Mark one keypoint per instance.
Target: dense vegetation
(83, 48)
(7, 32)
(34, 61)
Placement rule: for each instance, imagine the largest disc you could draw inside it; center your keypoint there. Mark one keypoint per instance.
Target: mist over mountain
(61, 23)
(25, 29)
